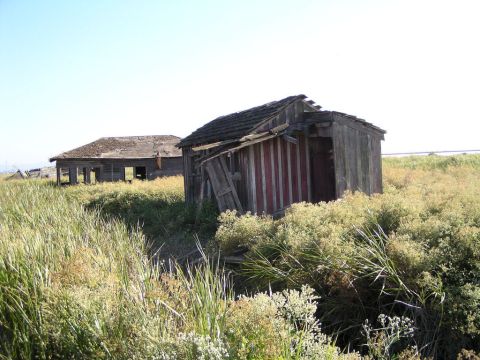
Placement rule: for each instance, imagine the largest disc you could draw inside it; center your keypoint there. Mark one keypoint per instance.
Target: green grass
(157, 207)
(77, 277)
(434, 162)
(76, 282)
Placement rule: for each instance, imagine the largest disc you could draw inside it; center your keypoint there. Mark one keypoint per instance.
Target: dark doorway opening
(322, 169)
(140, 172)
(97, 174)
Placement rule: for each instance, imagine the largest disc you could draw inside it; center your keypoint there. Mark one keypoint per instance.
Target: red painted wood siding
(258, 178)
(303, 168)
(272, 182)
(284, 174)
(276, 171)
(295, 177)
(268, 175)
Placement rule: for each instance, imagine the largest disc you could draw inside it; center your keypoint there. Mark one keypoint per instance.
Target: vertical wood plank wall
(279, 174)
(358, 162)
(275, 173)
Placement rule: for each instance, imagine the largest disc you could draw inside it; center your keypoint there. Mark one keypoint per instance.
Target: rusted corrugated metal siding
(280, 174)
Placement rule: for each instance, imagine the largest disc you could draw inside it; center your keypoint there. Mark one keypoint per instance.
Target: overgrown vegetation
(413, 251)
(157, 207)
(77, 284)
(391, 276)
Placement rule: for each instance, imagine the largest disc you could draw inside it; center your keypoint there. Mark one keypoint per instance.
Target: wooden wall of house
(357, 157)
(167, 167)
(268, 176)
(114, 169)
(271, 175)
(278, 174)
(189, 174)
(197, 190)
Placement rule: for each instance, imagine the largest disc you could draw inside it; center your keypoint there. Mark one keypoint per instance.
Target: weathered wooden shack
(266, 158)
(109, 157)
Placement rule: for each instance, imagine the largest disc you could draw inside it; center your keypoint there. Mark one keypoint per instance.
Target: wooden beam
(245, 144)
(290, 139)
(72, 175)
(280, 170)
(212, 145)
(264, 183)
(272, 131)
(249, 137)
(309, 177)
(86, 175)
(299, 174)
(289, 167)
(252, 187)
(274, 183)
(232, 186)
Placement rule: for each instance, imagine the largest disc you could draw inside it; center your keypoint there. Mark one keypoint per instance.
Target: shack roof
(237, 124)
(126, 147)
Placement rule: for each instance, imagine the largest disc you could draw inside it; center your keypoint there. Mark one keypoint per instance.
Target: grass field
(77, 281)
(393, 276)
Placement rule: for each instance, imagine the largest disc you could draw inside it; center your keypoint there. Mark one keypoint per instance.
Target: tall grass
(77, 284)
(156, 206)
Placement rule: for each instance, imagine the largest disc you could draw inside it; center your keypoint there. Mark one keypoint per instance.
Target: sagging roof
(241, 125)
(325, 115)
(126, 147)
(237, 124)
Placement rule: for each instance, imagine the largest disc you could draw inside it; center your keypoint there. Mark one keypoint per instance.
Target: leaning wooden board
(222, 184)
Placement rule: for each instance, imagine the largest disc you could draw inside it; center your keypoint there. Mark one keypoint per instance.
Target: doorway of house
(322, 169)
(98, 177)
(140, 172)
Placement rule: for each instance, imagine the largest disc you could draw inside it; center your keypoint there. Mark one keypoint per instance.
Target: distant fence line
(432, 152)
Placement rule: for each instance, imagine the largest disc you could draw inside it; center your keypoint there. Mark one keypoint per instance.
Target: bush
(413, 250)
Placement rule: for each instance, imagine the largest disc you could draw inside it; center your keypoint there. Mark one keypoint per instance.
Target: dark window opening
(97, 174)
(322, 169)
(140, 172)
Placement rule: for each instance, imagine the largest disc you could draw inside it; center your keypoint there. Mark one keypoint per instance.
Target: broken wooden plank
(212, 145)
(222, 184)
(290, 139)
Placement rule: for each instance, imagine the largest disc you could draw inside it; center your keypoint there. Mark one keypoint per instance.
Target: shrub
(413, 250)
(236, 231)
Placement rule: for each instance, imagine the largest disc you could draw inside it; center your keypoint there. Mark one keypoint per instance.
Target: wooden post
(72, 175)
(86, 175)
(59, 176)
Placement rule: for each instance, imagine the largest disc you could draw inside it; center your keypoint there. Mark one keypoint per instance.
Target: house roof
(127, 147)
(237, 124)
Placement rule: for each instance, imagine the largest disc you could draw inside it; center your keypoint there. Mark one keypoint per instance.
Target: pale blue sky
(74, 71)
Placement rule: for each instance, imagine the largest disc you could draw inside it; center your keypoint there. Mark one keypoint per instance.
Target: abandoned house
(112, 158)
(266, 158)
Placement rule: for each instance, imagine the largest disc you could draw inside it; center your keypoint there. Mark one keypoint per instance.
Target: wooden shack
(266, 158)
(107, 158)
